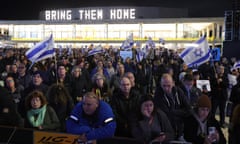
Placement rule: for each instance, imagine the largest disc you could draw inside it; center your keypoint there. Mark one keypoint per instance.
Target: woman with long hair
(60, 100)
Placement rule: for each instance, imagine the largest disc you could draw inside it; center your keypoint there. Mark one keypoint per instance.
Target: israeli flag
(236, 65)
(139, 56)
(96, 50)
(128, 43)
(41, 50)
(150, 43)
(70, 52)
(196, 54)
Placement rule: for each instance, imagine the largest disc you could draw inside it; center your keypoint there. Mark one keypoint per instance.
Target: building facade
(110, 26)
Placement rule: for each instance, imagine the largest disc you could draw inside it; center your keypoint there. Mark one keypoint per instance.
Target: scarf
(31, 115)
(202, 130)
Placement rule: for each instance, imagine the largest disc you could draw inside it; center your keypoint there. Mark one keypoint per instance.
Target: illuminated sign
(90, 14)
(122, 14)
(58, 15)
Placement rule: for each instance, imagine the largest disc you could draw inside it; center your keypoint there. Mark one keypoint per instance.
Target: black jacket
(125, 110)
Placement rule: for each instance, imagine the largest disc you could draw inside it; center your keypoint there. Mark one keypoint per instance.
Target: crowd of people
(104, 95)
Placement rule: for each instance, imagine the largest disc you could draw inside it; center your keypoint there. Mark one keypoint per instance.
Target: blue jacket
(98, 126)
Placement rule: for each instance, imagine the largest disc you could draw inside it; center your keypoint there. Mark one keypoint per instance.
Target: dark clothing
(42, 87)
(79, 87)
(235, 96)
(62, 111)
(191, 130)
(24, 80)
(147, 132)
(8, 113)
(219, 96)
(102, 93)
(125, 111)
(143, 79)
(191, 95)
(234, 137)
(175, 106)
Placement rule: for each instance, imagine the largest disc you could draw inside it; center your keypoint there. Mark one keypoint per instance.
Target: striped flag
(236, 65)
(96, 50)
(197, 54)
(128, 43)
(139, 56)
(41, 50)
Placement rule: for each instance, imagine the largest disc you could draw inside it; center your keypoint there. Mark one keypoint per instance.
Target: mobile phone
(161, 134)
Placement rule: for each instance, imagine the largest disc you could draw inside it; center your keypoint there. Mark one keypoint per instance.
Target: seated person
(198, 124)
(40, 116)
(92, 119)
(9, 115)
(153, 125)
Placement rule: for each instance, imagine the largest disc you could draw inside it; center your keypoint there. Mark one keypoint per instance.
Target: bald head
(125, 85)
(167, 83)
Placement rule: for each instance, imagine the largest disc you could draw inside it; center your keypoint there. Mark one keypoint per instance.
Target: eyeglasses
(9, 80)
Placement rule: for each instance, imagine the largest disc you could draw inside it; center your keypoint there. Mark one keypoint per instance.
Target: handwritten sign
(41, 137)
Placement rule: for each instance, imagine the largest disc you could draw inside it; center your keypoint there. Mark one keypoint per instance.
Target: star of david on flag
(197, 54)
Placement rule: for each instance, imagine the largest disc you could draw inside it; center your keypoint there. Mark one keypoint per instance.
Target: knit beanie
(204, 101)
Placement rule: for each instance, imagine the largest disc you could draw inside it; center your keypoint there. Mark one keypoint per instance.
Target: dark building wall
(231, 49)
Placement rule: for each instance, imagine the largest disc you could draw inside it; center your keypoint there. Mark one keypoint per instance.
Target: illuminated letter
(93, 14)
(69, 14)
(100, 14)
(80, 14)
(87, 14)
(54, 13)
(119, 14)
(125, 13)
(112, 14)
(132, 13)
(47, 15)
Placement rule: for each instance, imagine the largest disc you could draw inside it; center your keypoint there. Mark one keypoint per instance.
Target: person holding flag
(128, 43)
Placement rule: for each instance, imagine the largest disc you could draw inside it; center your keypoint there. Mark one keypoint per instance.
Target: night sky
(29, 9)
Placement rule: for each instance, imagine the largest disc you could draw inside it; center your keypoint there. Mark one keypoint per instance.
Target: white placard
(125, 54)
(203, 83)
(232, 79)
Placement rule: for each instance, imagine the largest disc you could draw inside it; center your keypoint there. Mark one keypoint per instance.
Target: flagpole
(55, 65)
(55, 61)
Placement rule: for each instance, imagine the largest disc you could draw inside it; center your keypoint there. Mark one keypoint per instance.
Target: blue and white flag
(70, 52)
(96, 50)
(128, 43)
(161, 41)
(41, 50)
(197, 54)
(150, 43)
(139, 56)
(138, 44)
(148, 46)
(236, 65)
